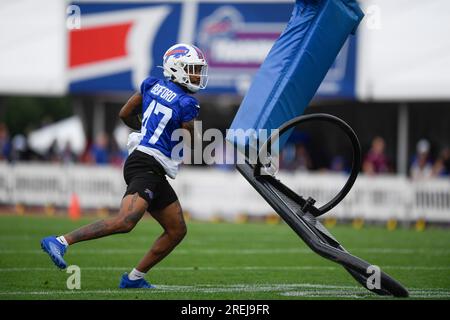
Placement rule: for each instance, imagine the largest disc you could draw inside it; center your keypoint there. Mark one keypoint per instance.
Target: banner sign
(119, 44)
(236, 39)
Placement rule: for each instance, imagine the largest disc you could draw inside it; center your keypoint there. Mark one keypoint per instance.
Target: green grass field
(219, 261)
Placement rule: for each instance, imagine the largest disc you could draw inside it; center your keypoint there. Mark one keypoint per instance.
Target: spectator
(302, 158)
(19, 148)
(99, 151)
(442, 165)
(295, 157)
(52, 153)
(338, 164)
(5, 143)
(376, 161)
(445, 154)
(287, 157)
(421, 167)
(67, 155)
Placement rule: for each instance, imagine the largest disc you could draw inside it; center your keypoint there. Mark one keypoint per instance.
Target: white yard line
(240, 268)
(439, 252)
(196, 242)
(305, 290)
(205, 268)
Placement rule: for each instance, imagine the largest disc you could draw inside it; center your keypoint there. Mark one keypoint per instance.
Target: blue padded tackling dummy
(296, 65)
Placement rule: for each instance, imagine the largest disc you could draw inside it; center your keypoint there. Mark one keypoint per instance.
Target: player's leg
(174, 229)
(167, 211)
(131, 211)
(172, 221)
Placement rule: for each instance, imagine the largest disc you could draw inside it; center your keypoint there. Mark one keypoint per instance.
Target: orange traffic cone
(74, 207)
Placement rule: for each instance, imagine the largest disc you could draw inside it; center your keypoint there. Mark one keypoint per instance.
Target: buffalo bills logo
(177, 52)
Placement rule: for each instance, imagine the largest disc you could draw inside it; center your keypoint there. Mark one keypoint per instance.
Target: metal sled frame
(301, 214)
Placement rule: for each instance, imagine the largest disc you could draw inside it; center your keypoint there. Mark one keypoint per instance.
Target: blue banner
(120, 44)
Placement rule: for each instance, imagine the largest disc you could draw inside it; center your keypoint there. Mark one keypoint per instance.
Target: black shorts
(146, 176)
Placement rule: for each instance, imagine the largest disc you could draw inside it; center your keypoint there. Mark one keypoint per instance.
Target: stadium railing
(208, 192)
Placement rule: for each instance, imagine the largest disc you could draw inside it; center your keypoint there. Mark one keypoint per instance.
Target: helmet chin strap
(184, 84)
(191, 88)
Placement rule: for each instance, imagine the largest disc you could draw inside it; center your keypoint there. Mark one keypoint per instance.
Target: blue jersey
(165, 106)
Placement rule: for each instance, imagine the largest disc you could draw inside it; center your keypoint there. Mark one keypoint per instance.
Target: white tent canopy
(32, 47)
(66, 131)
(403, 50)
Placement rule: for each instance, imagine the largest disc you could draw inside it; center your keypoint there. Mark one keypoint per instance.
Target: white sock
(62, 240)
(136, 274)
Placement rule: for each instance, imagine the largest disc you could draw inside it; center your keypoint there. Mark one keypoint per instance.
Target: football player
(161, 106)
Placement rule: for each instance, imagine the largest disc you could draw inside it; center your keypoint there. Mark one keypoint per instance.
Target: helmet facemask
(196, 76)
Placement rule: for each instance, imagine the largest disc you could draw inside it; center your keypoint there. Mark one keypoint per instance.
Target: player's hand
(131, 112)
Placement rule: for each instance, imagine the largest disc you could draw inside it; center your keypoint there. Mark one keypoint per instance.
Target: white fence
(208, 192)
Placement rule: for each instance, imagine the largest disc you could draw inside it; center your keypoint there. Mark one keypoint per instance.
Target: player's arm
(131, 112)
(192, 133)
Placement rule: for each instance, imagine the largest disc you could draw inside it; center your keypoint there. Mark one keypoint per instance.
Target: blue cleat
(55, 250)
(126, 283)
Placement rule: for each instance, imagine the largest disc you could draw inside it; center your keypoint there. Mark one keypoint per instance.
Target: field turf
(219, 261)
